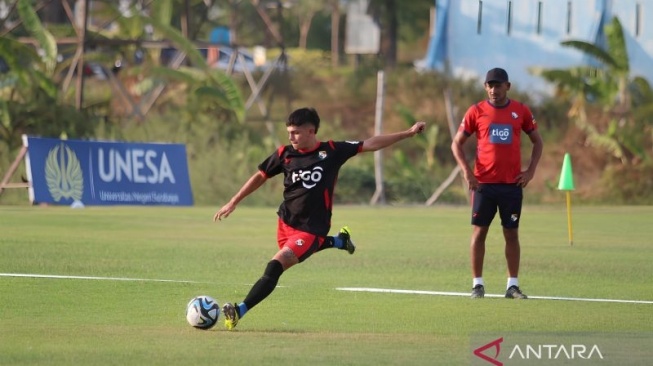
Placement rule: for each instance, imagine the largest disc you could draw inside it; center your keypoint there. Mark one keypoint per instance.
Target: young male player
(310, 170)
(498, 179)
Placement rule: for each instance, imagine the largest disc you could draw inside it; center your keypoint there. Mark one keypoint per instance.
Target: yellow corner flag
(566, 183)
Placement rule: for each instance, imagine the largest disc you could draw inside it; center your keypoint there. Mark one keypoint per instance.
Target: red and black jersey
(498, 134)
(309, 182)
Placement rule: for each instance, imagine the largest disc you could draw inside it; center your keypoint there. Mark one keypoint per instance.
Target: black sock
(265, 285)
(329, 242)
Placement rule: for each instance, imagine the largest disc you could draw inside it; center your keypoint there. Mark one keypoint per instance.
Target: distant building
(472, 36)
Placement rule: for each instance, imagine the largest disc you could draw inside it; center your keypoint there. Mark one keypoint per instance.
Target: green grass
(306, 321)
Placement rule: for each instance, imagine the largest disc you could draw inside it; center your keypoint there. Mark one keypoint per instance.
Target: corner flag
(566, 184)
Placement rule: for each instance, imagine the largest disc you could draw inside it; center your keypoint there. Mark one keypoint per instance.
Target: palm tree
(609, 85)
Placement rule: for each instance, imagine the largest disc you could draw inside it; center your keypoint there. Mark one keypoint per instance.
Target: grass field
(306, 321)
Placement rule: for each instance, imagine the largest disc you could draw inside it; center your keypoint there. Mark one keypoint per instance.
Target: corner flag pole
(569, 227)
(566, 183)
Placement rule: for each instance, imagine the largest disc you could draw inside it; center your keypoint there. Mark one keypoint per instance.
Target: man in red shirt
(497, 180)
(310, 170)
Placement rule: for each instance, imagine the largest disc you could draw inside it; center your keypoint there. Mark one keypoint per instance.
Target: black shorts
(490, 197)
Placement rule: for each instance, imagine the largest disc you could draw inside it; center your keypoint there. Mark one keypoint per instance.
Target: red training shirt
(498, 134)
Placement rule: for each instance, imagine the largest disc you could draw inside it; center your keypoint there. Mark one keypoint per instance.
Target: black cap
(497, 74)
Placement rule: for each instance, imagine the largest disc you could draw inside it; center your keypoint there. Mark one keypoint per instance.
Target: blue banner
(74, 172)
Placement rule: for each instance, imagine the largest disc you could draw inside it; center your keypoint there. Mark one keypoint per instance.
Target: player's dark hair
(303, 116)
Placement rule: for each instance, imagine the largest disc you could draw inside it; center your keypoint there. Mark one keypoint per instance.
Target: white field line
(352, 289)
(31, 275)
(465, 294)
(90, 278)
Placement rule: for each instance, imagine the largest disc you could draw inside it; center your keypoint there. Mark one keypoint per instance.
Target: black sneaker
(478, 292)
(345, 236)
(513, 292)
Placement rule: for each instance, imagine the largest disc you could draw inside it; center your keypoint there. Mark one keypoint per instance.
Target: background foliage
(601, 115)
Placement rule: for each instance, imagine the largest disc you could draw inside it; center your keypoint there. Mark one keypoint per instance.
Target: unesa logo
(136, 165)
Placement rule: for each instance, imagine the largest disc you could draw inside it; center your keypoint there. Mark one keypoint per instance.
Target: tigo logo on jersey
(309, 178)
(500, 133)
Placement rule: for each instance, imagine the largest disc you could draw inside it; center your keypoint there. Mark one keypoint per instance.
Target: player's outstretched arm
(252, 184)
(382, 141)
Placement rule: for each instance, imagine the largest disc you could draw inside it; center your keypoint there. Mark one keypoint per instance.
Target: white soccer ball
(202, 312)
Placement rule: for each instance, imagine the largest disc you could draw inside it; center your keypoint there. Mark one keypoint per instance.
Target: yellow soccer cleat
(345, 235)
(230, 316)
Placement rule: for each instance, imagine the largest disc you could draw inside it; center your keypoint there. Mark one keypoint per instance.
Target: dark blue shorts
(507, 198)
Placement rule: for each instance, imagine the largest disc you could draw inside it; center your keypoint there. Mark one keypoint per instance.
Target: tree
(151, 78)
(386, 12)
(399, 21)
(31, 97)
(305, 10)
(609, 86)
(30, 101)
(335, 32)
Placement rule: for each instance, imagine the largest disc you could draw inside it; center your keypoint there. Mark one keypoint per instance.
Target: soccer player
(310, 170)
(498, 180)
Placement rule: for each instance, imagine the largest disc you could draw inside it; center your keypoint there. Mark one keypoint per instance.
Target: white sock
(478, 281)
(512, 281)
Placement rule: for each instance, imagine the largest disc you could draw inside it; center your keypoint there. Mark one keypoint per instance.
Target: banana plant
(29, 98)
(608, 86)
(218, 91)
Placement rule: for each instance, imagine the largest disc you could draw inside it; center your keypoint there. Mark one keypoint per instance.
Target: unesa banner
(75, 172)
